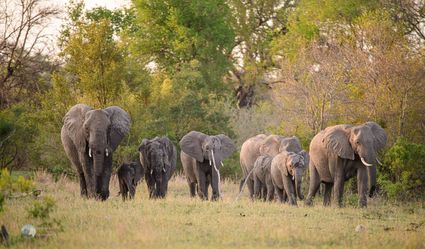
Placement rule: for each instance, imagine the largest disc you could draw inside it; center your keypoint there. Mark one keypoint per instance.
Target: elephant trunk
(372, 180)
(217, 171)
(98, 161)
(298, 181)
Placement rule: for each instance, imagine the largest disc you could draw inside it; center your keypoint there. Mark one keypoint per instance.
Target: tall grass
(182, 222)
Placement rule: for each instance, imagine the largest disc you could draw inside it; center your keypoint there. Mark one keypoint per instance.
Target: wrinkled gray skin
(263, 185)
(286, 172)
(336, 155)
(259, 145)
(129, 175)
(199, 154)
(89, 137)
(158, 157)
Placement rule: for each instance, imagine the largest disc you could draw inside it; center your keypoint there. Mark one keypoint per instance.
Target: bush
(10, 184)
(403, 173)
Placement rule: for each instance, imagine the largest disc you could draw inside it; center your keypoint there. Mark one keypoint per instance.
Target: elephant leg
(215, 185)
(192, 188)
(150, 182)
(202, 185)
(327, 193)
(264, 191)
(270, 192)
(290, 190)
(83, 186)
(362, 179)
(257, 188)
(132, 189)
(314, 184)
(338, 187)
(87, 167)
(279, 193)
(105, 178)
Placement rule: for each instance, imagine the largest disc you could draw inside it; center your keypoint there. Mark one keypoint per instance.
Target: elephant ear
(290, 144)
(306, 158)
(144, 157)
(380, 137)
(227, 148)
(270, 145)
(336, 139)
(191, 144)
(120, 125)
(283, 159)
(73, 122)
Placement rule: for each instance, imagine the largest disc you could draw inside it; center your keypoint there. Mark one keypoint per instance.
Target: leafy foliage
(10, 184)
(404, 170)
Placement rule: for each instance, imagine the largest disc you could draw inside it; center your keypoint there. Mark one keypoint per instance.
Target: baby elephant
(129, 174)
(158, 157)
(286, 171)
(263, 185)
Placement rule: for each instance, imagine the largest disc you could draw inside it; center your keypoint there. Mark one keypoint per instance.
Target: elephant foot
(308, 202)
(103, 196)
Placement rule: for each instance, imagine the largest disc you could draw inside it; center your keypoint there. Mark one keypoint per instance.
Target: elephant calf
(286, 171)
(129, 174)
(158, 157)
(263, 185)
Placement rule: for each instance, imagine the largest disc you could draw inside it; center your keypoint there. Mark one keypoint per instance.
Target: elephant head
(362, 141)
(293, 164)
(203, 147)
(154, 156)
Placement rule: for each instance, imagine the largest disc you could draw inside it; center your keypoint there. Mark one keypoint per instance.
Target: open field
(182, 222)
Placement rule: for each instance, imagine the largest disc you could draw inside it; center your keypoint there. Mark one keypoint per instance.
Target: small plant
(41, 211)
(10, 185)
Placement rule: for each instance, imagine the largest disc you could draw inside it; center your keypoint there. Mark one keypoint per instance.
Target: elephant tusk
(164, 170)
(90, 152)
(151, 171)
(293, 178)
(209, 157)
(365, 163)
(222, 165)
(379, 162)
(107, 152)
(216, 170)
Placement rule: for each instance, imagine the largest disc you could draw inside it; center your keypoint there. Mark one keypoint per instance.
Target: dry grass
(182, 222)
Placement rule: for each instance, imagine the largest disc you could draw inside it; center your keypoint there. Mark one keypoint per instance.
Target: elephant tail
(243, 182)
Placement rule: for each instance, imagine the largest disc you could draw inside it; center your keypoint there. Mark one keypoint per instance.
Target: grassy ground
(182, 222)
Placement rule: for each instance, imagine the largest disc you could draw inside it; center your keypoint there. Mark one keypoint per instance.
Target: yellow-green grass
(182, 222)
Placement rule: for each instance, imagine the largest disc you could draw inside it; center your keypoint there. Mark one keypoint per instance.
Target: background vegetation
(235, 67)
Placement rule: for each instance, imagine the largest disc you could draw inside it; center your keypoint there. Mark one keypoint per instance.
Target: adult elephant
(201, 157)
(158, 157)
(89, 137)
(338, 153)
(260, 145)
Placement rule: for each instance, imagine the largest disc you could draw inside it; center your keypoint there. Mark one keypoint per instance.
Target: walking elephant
(338, 153)
(201, 157)
(263, 185)
(286, 173)
(158, 157)
(259, 145)
(89, 137)
(129, 175)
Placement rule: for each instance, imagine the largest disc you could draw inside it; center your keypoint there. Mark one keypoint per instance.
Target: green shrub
(403, 174)
(10, 184)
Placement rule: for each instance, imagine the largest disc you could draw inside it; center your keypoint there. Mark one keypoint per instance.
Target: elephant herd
(272, 165)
